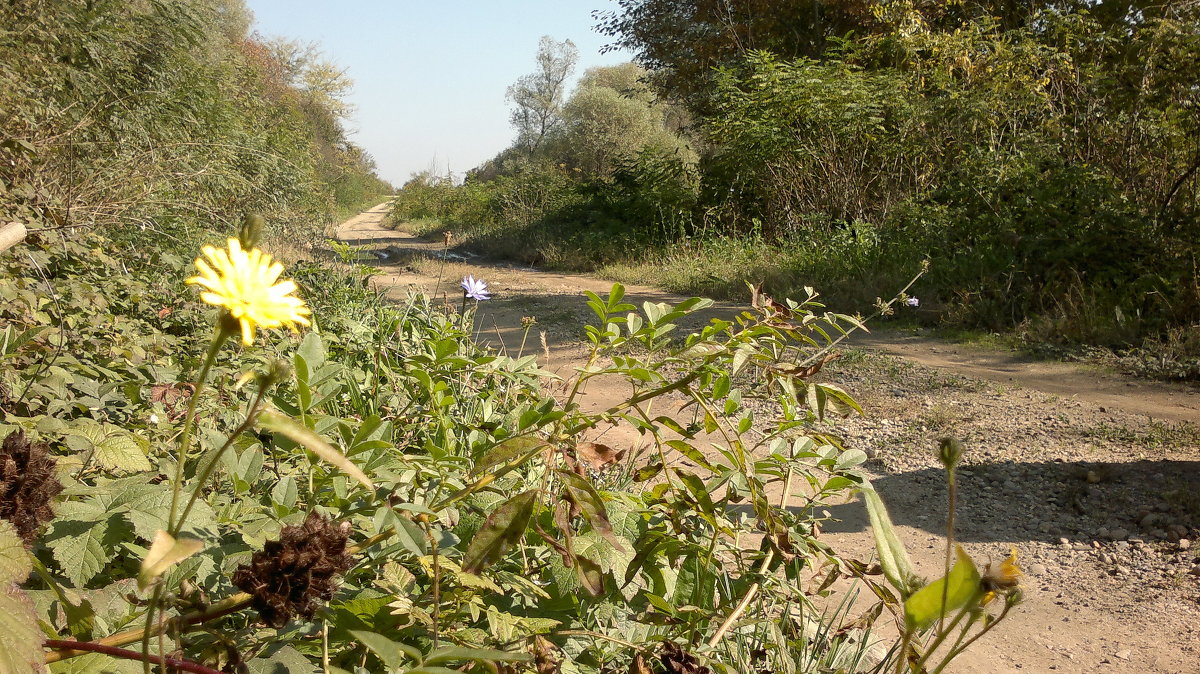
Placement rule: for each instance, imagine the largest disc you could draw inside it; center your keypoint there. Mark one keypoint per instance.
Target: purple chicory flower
(913, 302)
(475, 289)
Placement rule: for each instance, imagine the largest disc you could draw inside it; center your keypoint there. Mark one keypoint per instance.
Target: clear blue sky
(429, 78)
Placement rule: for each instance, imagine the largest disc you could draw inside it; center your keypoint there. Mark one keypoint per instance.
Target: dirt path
(1093, 477)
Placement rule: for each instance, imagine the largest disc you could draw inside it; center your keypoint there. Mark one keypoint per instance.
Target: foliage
(1042, 156)
(538, 97)
(152, 113)
(483, 527)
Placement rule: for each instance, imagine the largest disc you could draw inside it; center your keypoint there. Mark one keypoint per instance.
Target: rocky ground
(1092, 477)
(1103, 507)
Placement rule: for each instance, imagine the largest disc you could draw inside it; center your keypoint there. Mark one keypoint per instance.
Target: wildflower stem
(905, 646)
(223, 333)
(966, 644)
(112, 651)
(941, 638)
(211, 465)
(952, 492)
(524, 336)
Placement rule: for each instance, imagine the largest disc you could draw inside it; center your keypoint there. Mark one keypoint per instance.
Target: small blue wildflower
(475, 289)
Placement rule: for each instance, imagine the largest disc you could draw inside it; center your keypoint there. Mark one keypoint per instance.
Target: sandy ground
(1094, 477)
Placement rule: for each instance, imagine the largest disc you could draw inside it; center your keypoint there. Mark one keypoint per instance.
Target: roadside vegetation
(277, 471)
(1042, 157)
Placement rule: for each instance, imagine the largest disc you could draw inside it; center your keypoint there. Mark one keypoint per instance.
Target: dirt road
(1094, 478)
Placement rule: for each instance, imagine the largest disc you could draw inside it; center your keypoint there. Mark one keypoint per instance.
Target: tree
(613, 115)
(538, 97)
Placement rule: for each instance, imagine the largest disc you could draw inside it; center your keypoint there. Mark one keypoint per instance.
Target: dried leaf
(544, 659)
(590, 575)
(639, 666)
(675, 660)
(585, 496)
(598, 456)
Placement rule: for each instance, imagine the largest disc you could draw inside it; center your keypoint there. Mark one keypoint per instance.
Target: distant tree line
(163, 112)
(1045, 156)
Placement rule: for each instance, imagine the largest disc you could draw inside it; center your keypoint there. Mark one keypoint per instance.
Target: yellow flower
(1001, 578)
(244, 282)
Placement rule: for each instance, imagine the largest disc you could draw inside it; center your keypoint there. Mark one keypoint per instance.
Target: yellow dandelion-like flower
(1000, 578)
(246, 283)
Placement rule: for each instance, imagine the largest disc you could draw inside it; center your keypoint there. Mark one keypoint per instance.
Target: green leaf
(850, 458)
(504, 527)
(279, 659)
(20, 638)
(96, 663)
(961, 588)
(508, 452)
(588, 499)
(697, 582)
(892, 556)
(14, 560)
(146, 508)
(392, 653)
(312, 349)
(284, 492)
(112, 447)
(456, 653)
(78, 546)
(692, 454)
(410, 535)
(302, 435)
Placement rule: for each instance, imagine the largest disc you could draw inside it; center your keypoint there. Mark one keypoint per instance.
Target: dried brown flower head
(27, 484)
(675, 660)
(295, 574)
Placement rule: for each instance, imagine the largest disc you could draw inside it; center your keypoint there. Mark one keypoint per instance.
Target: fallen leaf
(598, 456)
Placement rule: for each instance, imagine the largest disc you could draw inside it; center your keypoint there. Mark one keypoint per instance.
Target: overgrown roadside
(1092, 477)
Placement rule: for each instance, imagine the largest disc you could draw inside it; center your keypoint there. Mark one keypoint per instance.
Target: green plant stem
(762, 567)
(952, 493)
(940, 639)
(954, 652)
(639, 398)
(524, 336)
(211, 465)
(222, 608)
(905, 642)
(223, 332)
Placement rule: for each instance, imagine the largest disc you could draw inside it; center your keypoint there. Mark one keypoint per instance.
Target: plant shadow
(1043, 501)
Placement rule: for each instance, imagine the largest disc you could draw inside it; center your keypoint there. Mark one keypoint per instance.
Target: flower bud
(251, 232)
(950, 452)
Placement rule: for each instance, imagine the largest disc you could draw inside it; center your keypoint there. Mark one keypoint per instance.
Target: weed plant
(378, 493)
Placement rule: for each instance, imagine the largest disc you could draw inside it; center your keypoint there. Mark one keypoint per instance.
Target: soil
(1093, 477)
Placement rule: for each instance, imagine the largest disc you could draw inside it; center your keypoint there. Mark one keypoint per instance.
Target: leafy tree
(538, 97)
(612, 115)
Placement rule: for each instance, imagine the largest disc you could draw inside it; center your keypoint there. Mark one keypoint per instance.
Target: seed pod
(296, 574)
(27, 485)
